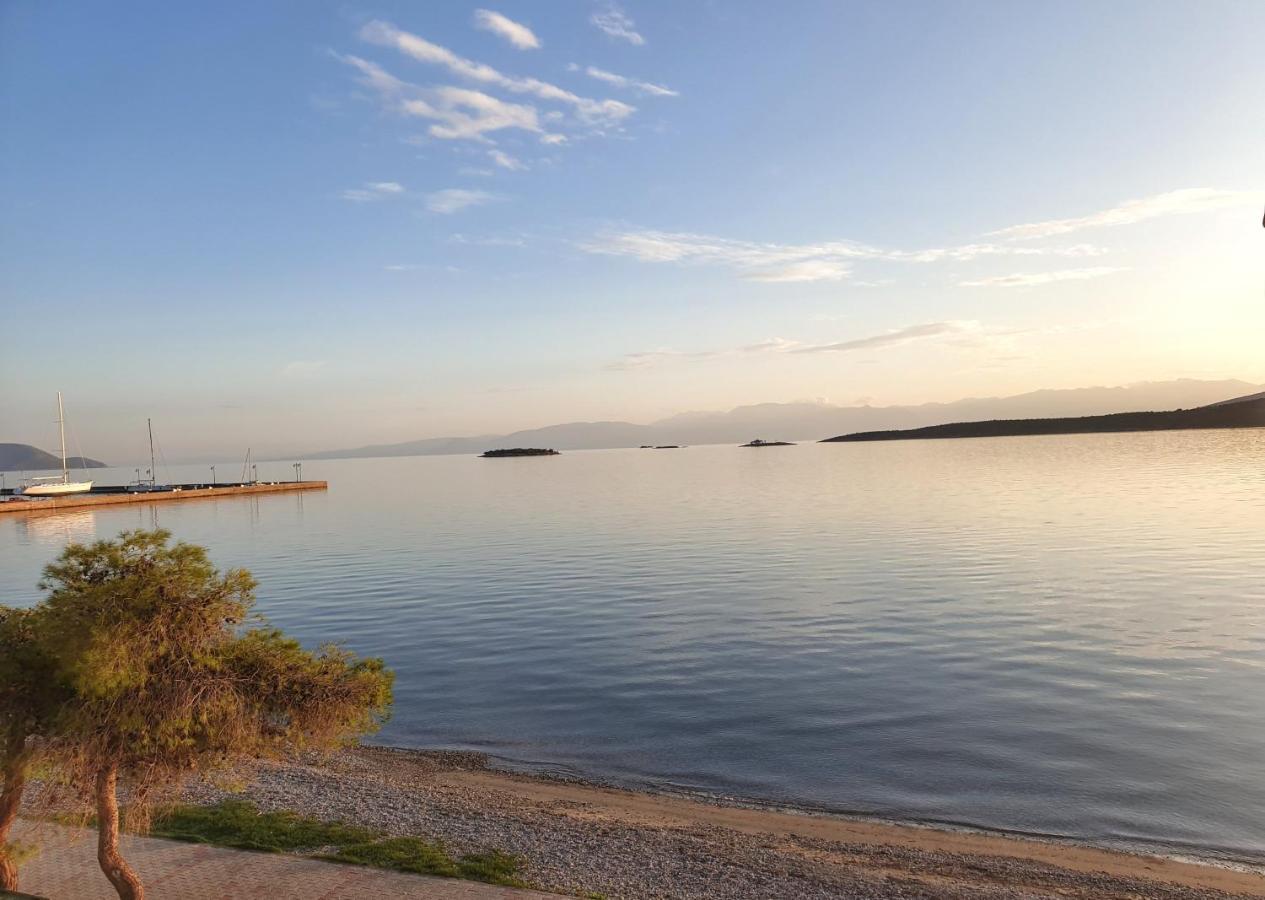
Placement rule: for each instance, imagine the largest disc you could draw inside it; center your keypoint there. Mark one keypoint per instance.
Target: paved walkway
(66, 869)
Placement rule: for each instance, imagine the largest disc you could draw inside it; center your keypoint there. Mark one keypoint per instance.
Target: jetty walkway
(178, 492)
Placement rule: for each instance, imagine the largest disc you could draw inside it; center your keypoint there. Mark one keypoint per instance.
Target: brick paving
(66, 869)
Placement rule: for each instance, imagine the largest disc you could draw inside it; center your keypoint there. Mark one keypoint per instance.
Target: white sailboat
(56, 485)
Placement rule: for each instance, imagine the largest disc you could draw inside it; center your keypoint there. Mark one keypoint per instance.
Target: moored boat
(56, 485)
(145, 485)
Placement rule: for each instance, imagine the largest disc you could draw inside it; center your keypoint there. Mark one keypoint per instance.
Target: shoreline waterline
(576, 835)
(1214, 857)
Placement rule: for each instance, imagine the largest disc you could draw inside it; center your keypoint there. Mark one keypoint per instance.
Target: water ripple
(1059, 635)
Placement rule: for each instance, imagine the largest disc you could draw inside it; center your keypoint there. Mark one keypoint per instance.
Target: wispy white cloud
(453, 200)
(967, 334)
(636, 84)
(772, 345)
(462, 113)
(505, 161)
(457, 113)
(1032, 279)
(598, 113)
(374, 76)
(967, 252)
(834, 260)
(516, 33)
(614, 22)
(895, 338)
(373, 190)
(809, 270)
(786, 263)
(649, 245)
(1179, 202)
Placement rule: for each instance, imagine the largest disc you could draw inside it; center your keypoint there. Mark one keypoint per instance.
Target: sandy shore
(580, 838)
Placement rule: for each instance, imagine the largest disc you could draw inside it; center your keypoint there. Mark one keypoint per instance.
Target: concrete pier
(178, 492)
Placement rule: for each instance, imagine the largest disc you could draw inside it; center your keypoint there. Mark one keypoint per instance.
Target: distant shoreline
(1246, 414)
(810, 421)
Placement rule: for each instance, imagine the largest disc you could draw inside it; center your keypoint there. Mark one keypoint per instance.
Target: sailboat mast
(61, 427)
(153, 472)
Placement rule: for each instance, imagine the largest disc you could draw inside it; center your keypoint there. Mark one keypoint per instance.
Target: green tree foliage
(29, 700)
(171, 676)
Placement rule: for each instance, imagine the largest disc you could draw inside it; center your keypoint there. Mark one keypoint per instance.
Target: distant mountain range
(813, 421)
(25, 458)
(1243, 412)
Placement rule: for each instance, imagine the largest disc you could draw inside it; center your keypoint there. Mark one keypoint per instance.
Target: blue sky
(305, 225)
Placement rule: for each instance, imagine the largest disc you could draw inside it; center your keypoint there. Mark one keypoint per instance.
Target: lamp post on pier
(298, 472)
(254, 474)
(213, 481)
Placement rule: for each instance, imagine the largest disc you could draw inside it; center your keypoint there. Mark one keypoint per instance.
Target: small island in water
(517, 451)
(759, 443)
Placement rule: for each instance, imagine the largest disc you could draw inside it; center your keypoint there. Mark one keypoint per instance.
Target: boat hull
(56, 490)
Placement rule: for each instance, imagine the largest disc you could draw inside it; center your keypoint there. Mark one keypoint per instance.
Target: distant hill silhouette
(25, 458)
(808, 421)
(1249, 413)
(1258, 396)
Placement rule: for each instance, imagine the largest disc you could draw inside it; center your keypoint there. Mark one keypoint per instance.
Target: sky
(301, 226)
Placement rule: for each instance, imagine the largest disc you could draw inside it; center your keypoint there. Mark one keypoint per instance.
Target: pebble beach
(589, 840)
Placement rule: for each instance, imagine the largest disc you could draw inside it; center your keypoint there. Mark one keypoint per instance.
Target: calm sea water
(1060, 635)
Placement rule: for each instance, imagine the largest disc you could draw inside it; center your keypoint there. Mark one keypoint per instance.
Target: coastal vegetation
(759, 443)
(29, 699)
(143, 667)
(518, 451)
(240, 824)
(1246, 413)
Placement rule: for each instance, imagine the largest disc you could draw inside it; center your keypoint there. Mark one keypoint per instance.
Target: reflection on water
(1059, 635)
(57, 529)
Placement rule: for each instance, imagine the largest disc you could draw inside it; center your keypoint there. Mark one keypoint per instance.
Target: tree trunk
(15, 760)
(112, 863)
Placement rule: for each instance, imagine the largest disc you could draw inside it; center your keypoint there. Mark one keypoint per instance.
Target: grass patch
(404, 854)
(240, 824)
(494, 867)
